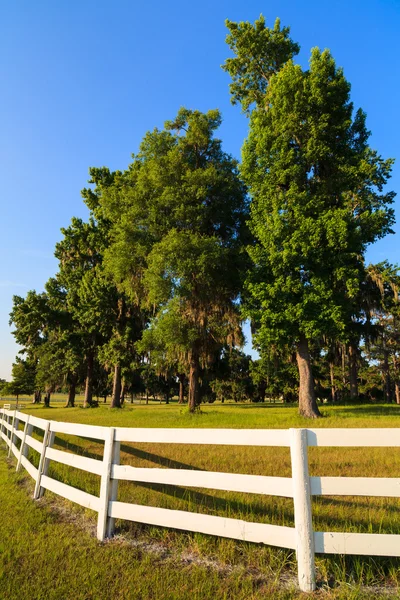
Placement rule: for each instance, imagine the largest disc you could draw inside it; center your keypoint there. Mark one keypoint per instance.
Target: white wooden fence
(300, 486)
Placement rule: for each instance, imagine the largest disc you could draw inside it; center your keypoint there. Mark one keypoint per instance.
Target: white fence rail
(301, 487)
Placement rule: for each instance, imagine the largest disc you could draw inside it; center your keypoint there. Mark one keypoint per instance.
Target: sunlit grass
(361, 514)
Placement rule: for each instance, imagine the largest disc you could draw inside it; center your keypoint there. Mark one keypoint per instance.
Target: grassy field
(182, 565)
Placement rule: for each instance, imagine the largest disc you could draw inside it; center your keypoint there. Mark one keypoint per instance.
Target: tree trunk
(116, 396)
(194, 387)
(105, 398)
(71, 393)
(353, 372)
(396, 380)
(397, 392)
(47, 399)
(88, 399)
(343, 392)
(37, 397)
(181, 378)
(386, 374)
(123, 392)
(307, 403)
(333, 386)
(261, 391)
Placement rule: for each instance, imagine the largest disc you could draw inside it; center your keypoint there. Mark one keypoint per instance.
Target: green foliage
(178, 217)
(23, 378)
(260, 52)
(317, 202)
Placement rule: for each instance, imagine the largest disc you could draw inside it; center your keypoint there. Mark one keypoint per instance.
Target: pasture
(179, 565)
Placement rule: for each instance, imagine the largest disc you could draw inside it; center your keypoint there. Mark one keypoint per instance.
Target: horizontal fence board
(256, 484)
(6, 438)
(386, 438)
(70, 493)
(75, 460)
(7, 425)
(33, 443)
(356, 486)
(21, 416)
(369, 544)
(36, 422)
(216, 437)
(89, 431)
(15, 450)
(19, 434)
(273, 535)
(33, 472)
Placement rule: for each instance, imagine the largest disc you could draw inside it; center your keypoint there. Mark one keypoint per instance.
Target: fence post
(1, 420)
(50, 441)
(3, 429)
(41, 462)
(22, 451)
(12, 434)
(113, 495)
(16, 426)
(302, 510)
(6, 420)
(105, 485)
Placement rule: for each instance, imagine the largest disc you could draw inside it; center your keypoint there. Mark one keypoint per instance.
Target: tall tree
(317, 202)
(32, 319)
(178, 215)
(260, 52)
(23, 378)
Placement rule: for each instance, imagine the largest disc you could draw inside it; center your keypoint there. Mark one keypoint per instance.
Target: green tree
(386, 315)
(32, 319)
(23, 374)
(260, 52)
(317, 202)
(178, 218)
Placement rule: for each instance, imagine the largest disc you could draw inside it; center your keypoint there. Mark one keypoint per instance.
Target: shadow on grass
(157, 459)
(369, 411)
(234, 508)
(80, 450)
(247, 405)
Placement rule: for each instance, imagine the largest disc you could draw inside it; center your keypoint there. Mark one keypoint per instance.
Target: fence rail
(301, 487)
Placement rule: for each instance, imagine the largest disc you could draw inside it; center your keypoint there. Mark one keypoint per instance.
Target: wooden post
(36, 493)
(7, 420)
(302, 510)
(3, 429)
(12, 434)
(105, 485)
(50, 441)
(16, 426)
(23, 451)
(29, 431)
(1, 420)
(113, 495)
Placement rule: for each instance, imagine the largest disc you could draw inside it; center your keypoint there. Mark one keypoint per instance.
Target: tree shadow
(157, 459)
(216, 503)
(255, 405)
(76, 449)
(371, 411)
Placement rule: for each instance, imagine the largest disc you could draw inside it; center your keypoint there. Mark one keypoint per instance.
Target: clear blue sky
(82, 81)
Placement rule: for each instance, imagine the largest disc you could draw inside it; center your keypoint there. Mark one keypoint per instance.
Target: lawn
(194, 565)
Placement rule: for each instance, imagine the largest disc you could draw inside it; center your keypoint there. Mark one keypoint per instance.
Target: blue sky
(83, 81)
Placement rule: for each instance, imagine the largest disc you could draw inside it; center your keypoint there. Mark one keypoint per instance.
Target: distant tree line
(181, 247)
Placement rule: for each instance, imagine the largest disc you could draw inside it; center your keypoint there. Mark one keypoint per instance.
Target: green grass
(217, 567)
